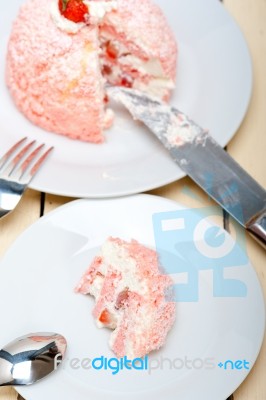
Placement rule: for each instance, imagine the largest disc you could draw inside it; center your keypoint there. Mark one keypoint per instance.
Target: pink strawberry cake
(130, 295)
(61, 54)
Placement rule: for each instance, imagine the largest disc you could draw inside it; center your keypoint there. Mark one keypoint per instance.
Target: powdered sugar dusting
(54, 76)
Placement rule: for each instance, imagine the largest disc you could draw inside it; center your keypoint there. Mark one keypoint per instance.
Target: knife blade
(197, 153)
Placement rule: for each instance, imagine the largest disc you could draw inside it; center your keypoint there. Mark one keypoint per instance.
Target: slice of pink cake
(56, 68)
(130, 295)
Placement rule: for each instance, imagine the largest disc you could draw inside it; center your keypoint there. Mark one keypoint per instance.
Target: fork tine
(12, 150)
(29, 175)
(17, 168)
(29, 159)
(12, 165)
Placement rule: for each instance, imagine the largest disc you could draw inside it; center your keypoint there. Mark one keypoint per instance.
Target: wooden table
(248, 148)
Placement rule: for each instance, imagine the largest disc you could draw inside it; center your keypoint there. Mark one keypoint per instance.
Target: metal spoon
(30, 358)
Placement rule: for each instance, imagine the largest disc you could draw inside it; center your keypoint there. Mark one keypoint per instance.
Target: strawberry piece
(111, 51)
(105, 317)
(106, 70)
(74, 10)
(126, 81)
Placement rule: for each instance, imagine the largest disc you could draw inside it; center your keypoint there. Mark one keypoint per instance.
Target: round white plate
(214, 80)
(40, 271)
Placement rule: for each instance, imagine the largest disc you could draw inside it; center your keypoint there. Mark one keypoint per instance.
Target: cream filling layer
(158, 84)
(120, 262)
(125, 266)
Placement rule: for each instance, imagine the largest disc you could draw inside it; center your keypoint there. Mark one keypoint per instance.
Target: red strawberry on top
(74, 10)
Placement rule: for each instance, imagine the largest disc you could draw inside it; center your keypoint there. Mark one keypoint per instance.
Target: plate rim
(75, 203)
(100, 192)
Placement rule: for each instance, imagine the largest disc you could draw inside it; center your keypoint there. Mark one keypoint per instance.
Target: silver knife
(202, 158)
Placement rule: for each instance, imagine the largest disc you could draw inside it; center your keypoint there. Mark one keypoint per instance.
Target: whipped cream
(180, 131)
(63, 23)
(97, 11)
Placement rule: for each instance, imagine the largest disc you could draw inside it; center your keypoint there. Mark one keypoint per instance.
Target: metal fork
(17, 168)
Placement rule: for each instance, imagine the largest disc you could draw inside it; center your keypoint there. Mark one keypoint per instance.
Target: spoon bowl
(30, 358)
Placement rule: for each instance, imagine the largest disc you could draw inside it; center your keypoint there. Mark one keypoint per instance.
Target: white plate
(37, 277)
(214, 80)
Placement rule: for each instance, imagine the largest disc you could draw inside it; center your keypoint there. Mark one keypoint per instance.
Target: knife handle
(257, 228)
